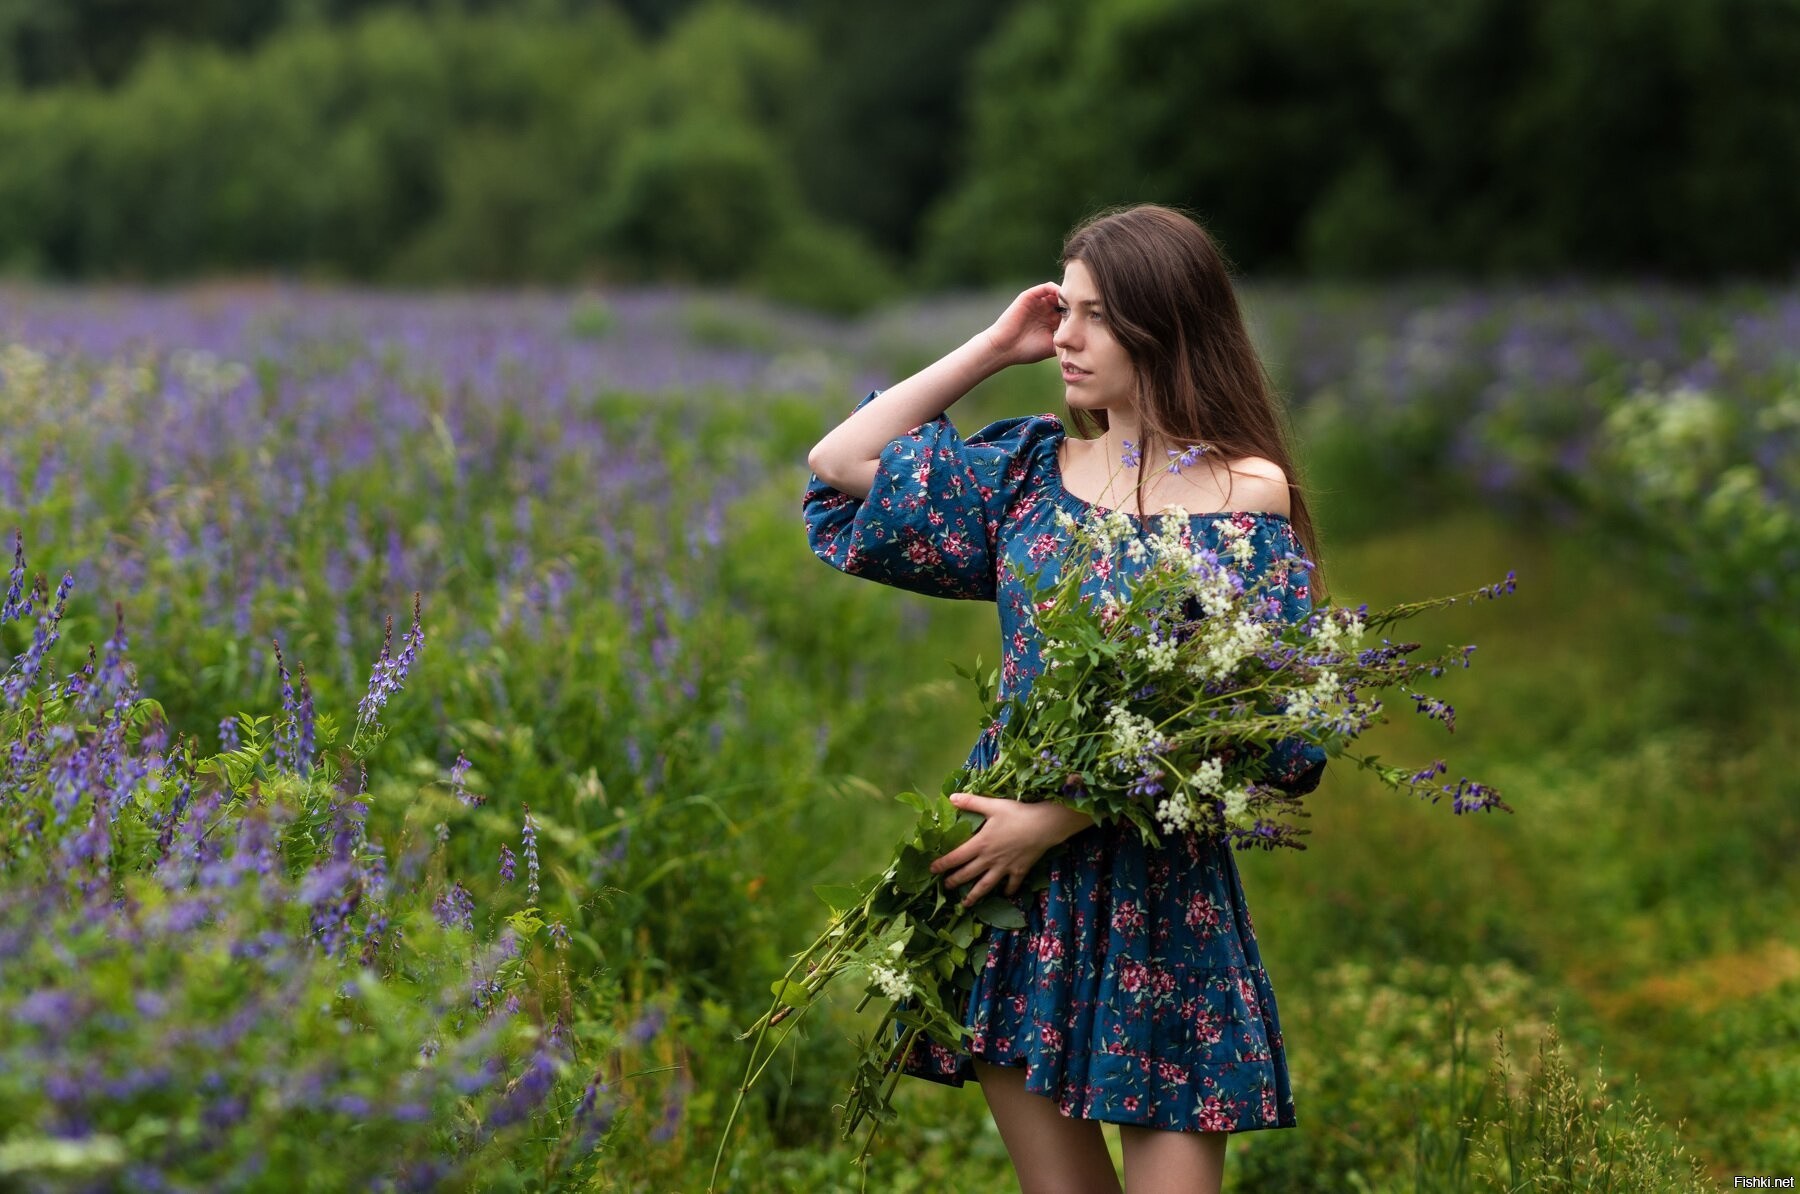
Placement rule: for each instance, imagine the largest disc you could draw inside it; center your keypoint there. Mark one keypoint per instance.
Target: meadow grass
(627, 633)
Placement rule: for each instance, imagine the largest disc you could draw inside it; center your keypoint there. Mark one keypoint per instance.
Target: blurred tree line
(831, 153)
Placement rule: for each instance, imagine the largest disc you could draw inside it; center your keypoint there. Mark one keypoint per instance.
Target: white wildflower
(1176, 812)
(1159, 653)
(1131, 732)
(894, 984)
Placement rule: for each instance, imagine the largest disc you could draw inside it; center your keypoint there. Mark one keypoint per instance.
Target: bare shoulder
(1259, 484)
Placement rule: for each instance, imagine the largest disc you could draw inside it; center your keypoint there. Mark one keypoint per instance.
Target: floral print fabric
(1135, 993)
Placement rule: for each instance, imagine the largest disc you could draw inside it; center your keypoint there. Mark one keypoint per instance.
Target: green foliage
(1378, 137)
(419, 150)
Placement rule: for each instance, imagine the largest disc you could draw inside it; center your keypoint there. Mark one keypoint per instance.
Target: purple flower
(506, 863)
(1132, 456)
(455, 907)
(1187, 459)
(458, 781)
(531, 857)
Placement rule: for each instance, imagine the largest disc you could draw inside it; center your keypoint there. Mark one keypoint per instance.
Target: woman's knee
(1052, 1153)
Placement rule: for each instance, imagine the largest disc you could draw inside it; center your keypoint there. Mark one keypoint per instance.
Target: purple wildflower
(1187, 459)
(11, 608)
(531, 857)
(304, 741)
(1132, 456)
(459, 772)
(455, 907)
(506, 863)
(390, 673)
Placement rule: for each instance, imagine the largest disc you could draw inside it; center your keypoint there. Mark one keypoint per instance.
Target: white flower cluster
(1178, 811)
(1159, 653)
(1132, 733)
(1229, 644)
(1323, 694)
(894, 984)
(1239, 545)
(1332, 632)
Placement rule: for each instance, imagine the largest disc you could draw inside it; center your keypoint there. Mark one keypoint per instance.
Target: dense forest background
(835, 155)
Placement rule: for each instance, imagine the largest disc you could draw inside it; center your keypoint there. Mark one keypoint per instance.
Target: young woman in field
(1135, 994)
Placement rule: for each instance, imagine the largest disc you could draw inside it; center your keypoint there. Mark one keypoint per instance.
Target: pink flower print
(1162, 983)
(1268, 1106)
(920, 551)
(957, 545)
(1047, 946)
(1133, 976)
(1128, 918)
(1130, 1103)
(921, 474)
(1018, 1004)
(943, 1056)
(1103, 568)
(1247, 991)
(1202, 911)
(1168, 1071)
(935, 517)
(1051, 1036)
(1042, 548)
(1214, 1115)
(1043, 606)
(1209, 1026)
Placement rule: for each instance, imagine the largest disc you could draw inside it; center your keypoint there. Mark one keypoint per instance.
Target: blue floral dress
(1135, 993)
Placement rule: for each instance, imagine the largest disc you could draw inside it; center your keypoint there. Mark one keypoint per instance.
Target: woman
(1135, 994)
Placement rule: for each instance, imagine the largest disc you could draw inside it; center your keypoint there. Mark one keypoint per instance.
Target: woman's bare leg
(1158, 1162)
(1052, 1153)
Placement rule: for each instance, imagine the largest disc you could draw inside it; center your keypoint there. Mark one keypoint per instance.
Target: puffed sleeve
(1294, 765)
(932, 517)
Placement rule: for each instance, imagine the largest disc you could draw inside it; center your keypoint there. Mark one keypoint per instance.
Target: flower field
(303, 875)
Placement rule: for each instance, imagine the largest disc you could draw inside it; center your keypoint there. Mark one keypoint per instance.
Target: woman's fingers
(980, 890)
(968, 874)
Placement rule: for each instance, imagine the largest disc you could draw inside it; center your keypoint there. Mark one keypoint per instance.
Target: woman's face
(1097, 373)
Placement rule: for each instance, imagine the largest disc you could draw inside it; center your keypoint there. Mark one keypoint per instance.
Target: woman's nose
(1064, 337)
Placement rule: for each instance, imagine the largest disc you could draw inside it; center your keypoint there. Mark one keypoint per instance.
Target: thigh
(1158, 1162)
(1052, 1153)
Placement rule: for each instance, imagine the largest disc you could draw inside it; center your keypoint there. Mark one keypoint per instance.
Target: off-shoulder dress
(1135, 993)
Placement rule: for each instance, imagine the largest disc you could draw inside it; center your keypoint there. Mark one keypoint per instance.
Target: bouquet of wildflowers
(1157, 707)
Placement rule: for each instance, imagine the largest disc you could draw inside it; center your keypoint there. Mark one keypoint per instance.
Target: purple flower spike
(1132, 456)
(531, 857)
(11, 608)
(506, 863)
(458, 780)
(1187, 459)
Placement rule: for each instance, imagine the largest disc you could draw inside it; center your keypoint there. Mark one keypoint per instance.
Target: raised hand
(1025, 330)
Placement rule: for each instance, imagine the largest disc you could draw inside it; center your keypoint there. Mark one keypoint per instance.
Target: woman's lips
(1071, 373)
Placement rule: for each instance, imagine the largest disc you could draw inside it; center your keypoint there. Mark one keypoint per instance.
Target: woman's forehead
(1078, 284)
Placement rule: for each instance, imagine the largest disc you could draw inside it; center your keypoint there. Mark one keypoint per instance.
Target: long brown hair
(1169, 301)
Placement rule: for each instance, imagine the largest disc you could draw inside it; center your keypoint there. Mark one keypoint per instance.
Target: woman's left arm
(1008, 843)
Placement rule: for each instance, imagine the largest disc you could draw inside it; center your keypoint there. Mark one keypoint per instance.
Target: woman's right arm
(846, 459)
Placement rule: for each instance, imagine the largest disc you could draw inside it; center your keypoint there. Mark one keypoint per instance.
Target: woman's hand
(1026, 330)
(1008, 843)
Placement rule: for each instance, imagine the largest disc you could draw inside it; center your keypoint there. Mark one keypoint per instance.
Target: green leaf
(838, 897)
(791, 994)
(999, 912)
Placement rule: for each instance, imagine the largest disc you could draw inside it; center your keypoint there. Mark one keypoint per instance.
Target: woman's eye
(1061, 310)
(1096, 315)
